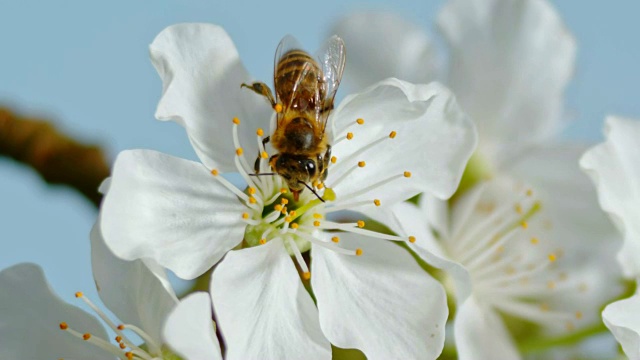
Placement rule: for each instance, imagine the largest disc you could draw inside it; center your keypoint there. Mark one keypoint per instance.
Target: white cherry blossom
(390, 142)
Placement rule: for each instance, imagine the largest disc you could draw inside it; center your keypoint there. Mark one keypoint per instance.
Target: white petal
(615, 169)
(480, 334)
(434, 141)
(623, 320)
(189, 330)
(510, 64)
(201, 74)
(382, 45)
(30, 314)
(129, 289)
(170, 210)
(263, 309)
(381, 302)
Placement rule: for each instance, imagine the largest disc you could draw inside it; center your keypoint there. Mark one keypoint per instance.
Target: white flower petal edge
(510, 64)
(201, 74)
(263, 309)
(382, 303)
(382, 45)
(623, 320)
(130, 289)
(157, 202)
(189, 330)
(615, 170)
(422, 123)
(29, 316)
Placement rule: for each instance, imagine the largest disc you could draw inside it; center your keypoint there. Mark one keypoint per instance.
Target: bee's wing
(332, 57)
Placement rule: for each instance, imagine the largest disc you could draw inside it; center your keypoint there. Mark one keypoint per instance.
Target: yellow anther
(129, 355)
(284, 211)
(529, 192)
(361, 163)
(519, 209)
(288, 219)
(570, 326)
(264, 155)
(306, 275)
(120, 327)
(245, 215)
(251, 190)
(284, 201)
(500, 249)
(360, 121)
(262, 241)
(320, 186)
(118, 338)
(252, 200)
(563, 276)
(278, 207)
(277, 108)
(551, 284)
(79, 294)
(534, 240)
(407, 174)
(63, 326)
(122, 346)
(376, 202)
(294, 226)
(552, 257)
(349, 135)
(260, 132)
(292, 213)
(283, 190)
(236, 121)
(239, 151)
(214, 172)
(358, 252)
(524, 224)
(545, 307)
(316, 223)
(393, 134)
(335, 239)
(412, 239)
(334, 159)
(86, 336)
(578, 315)
(317, 216)
(360, 223)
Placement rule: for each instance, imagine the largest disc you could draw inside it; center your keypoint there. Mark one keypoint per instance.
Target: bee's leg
(256, 165)
(262, 89)
(325, 163)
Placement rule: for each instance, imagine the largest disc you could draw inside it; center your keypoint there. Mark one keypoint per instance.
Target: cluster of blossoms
(507, 226)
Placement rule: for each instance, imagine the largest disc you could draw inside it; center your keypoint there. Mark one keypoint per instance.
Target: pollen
(283, 190)
(260, 132)
(122, 346)
(534, 240)
(349, 135)
(118, 338)
(292, 213)
(360, 223)
(407, 174)
(317, 216)
(277, 108)
(129, 355)
(335, 239)
(294, 226)
(393, 134)
(358, 252)
(120, 327)
(284, 201)
(278, 207)
(236, 121)
(306, 275)
(334, 159)
(79, 294)
(552, 257)
(361, 164)
(245, 215)
(316, 223)
(63, 326)
(262, 241)
(252, 200)
(524, 224)
(264, 155)
(412, 239)
(214, 172)
(360, 121)
(320, 186)
(289, 219)
(239, 151)
(251, 190)
(376, 202)
(86, 336)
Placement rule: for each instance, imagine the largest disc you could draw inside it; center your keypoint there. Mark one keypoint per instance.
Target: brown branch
(58, 158)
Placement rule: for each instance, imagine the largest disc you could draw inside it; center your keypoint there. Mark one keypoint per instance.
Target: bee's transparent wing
(287, 44)
(332, 58)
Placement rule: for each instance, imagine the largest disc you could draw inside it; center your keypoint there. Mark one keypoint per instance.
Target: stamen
(392, 134)
(153, 346)
(277, 108)
(334, 159)
(349, 136)
(229, 186)
(298, 255)
(369, 188)
(360, 121)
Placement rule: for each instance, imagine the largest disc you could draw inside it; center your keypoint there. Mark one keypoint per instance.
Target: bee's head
(296, 170)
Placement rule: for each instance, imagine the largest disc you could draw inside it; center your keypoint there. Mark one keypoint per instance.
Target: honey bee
(305, 88)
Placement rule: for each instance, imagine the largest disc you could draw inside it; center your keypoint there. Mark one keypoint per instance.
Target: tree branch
(58, 158)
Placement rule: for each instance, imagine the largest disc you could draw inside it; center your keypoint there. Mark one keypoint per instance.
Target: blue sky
(85, 65)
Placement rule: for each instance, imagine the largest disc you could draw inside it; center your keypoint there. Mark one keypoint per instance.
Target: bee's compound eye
(310, 166)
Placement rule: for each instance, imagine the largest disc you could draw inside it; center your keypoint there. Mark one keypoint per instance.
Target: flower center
(123, 348)
(513, 266)
(272, 213)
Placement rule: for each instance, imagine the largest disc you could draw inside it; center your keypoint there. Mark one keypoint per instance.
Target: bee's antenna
(311, 189)
(263, 174)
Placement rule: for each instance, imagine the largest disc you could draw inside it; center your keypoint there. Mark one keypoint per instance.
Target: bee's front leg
(325, 163)
(262, 89)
